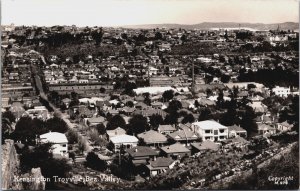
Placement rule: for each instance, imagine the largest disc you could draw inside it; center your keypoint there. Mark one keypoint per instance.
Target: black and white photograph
(149, 94)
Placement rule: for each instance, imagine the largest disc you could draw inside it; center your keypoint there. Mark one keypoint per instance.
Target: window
(222, 130)
(64, 145)
(207, 131)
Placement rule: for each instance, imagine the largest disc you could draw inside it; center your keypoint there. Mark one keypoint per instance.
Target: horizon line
(120, 26)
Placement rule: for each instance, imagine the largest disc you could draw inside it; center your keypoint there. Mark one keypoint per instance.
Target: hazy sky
(129, 12)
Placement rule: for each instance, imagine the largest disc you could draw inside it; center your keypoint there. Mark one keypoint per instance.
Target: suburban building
(153, 138)
(281, 91)
(59, 143)
(127, 141)
(160, 165)
(175, 151)
(236, 131)
(284, 126)
(140, 155)
(115, 132)
(210, 130)
(204, 146)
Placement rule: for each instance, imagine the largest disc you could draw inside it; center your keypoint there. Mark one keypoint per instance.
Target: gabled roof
(265, 127)
(161, 162)
(115, 132)
(152, 137)
(183, 135)
(140, 151)
(166, 128)
(236, 128)
(175, 148)
(206, 145)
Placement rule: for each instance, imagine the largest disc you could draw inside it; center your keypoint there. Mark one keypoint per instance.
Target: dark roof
(183, 135)
(161, 162)
(205, 145)
(235, 128)
(140, 151)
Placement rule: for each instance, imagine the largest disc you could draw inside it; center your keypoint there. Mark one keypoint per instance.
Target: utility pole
(193, 78)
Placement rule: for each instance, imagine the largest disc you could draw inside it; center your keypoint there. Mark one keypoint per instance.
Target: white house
(281, 91)
(59, 143)
(127, 141)
(210, 130)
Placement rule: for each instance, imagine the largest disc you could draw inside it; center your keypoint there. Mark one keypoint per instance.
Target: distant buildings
(281, 91)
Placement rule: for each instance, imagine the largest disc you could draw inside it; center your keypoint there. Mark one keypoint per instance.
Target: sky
(134, 12)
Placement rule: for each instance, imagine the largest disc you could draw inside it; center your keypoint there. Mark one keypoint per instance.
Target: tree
(115, 122)
(129, 88)
(168, 95)
(9, 115)
(189, 118)
(147, 99)
(94, 162)
(100, 128)
(156, 120)
(137, 124)
(102, 90)
(82, 145)
(129, 103)
(220, 100)
(174, 106)
(57, 124)
(205, 114)
(28, 129)
(248, 122)
(225, 78)
(72, 136)
(196, 103)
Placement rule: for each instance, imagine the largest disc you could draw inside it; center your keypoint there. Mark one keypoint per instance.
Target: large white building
(210, 130)
(281, 91)
(59, 143)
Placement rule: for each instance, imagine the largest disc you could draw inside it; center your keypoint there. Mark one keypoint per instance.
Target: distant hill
(209, 25)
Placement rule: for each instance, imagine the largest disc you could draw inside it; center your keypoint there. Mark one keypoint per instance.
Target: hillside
(208, 25)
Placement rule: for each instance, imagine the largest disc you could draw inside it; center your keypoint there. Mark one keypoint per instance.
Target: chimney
(135, 150)
(154, 159)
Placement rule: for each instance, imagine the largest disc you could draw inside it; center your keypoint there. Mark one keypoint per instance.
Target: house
(66, 102)
(127, 141)
(95, 121)
(175, 151)
(284, 126)
(264, 129)
(115, 132)
(160, 165)
(204, 146)
(236, 131)
(183, 136)
(281, 91)
(58, 141)
(153, 138)
(258, 106)
(140, 155)
(210, 130)
(166, 129)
